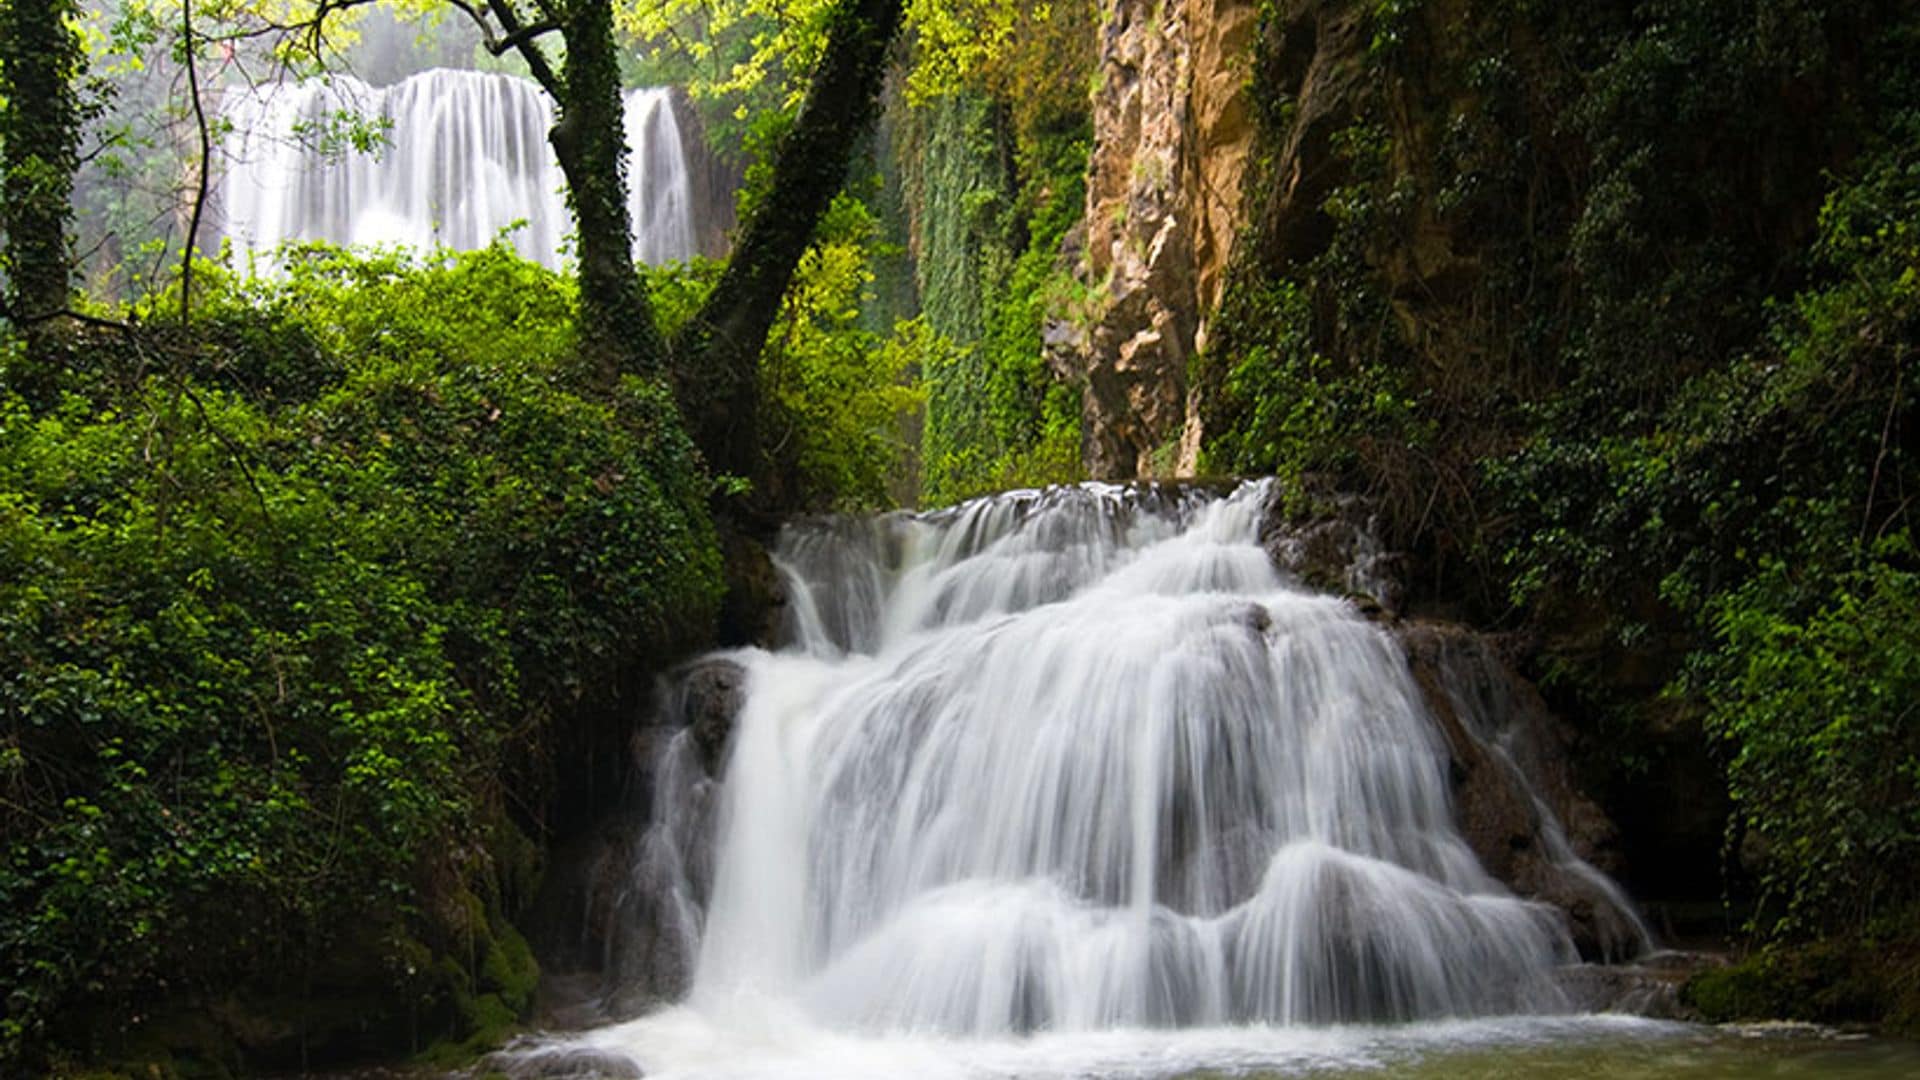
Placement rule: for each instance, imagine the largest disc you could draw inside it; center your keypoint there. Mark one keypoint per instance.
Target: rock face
(1172, 137)
(1651, 988)
(1514, 795)
(1330, 541)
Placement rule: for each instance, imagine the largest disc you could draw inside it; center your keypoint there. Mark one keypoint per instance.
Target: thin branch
(1886, 438)
(317, 42)
(233, 452)
(63, 313)
(112, 141)
(206, 162)
(519, 38)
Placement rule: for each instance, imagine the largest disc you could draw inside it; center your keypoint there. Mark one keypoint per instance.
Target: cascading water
(464, 157)
(1080, 760)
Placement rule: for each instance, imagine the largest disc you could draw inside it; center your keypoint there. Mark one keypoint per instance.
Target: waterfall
(464, 156)
(1073, 761)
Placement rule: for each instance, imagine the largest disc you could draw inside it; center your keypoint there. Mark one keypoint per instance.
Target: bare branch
(206, 162)
(519, 38)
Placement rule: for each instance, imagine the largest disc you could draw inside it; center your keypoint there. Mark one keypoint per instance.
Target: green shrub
(1820, 714)
(279, 638)
(838, 393)
(1615, 310)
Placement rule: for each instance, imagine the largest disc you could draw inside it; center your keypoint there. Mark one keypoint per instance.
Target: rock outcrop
(617, 923)
(1172, 137)
(1514, 794)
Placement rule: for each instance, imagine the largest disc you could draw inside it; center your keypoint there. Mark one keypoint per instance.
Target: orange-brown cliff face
(1172, 137)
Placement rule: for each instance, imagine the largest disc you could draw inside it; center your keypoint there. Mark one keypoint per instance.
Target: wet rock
(1509, 757)
(1651, 987)
(559, 1063)
(1330, 542)
(1514, 796)
(611, 921)
(753, 608)
(710, 692)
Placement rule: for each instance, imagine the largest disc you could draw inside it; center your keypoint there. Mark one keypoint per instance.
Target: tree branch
(519, 38)
(717, 352)
(206, 159)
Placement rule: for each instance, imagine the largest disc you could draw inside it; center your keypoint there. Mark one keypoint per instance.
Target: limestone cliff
(1172, 135)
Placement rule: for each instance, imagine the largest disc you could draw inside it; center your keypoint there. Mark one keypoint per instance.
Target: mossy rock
(1855, 980)
(489, 1001)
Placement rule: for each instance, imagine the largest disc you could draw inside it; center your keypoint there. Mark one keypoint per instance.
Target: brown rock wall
(1172, 137)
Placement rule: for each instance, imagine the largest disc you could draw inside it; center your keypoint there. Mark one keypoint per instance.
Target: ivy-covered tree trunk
(716, 355)
(616, 321)
(40, 59)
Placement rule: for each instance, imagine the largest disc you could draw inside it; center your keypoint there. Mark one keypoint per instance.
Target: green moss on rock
(1862, 980)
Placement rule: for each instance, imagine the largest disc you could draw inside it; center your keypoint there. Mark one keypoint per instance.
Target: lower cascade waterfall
(464, 156)
(1080, 760)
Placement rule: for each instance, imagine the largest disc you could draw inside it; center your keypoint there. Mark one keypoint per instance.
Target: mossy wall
(989, 154)
(1611, 307)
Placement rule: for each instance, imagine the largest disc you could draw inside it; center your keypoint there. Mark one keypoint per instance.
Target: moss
(487, 1001)
(1858, 980)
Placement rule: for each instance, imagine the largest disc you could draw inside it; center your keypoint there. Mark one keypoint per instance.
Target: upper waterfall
(464, 156)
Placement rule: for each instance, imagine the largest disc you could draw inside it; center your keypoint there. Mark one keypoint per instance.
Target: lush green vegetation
(837, 393)
(1870, 977)
(979, 178)
(296, 609)
(310, 587)
(993, 159)
(1619, 324)
(1613, 309)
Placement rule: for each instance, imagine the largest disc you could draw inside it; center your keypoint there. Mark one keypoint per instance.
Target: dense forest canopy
(327, 595)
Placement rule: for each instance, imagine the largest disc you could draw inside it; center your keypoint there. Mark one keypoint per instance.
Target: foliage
(1818, 713)
(838, 392)
(287, 603)
(1870, 979)
(40, 117)
(995, 187)
(754, 55)
(1613, 309)
(995, 140)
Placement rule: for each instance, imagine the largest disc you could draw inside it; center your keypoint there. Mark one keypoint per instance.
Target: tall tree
(714, 358)
(40, 63)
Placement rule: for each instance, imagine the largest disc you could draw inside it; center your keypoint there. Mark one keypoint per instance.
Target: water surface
(681, 1044)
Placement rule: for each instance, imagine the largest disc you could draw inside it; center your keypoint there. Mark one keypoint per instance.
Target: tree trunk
(715, 358)
(717, 353)
(40, 59)
(617, 330)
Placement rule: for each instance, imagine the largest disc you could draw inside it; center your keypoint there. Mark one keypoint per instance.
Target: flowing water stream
(1080, 762)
